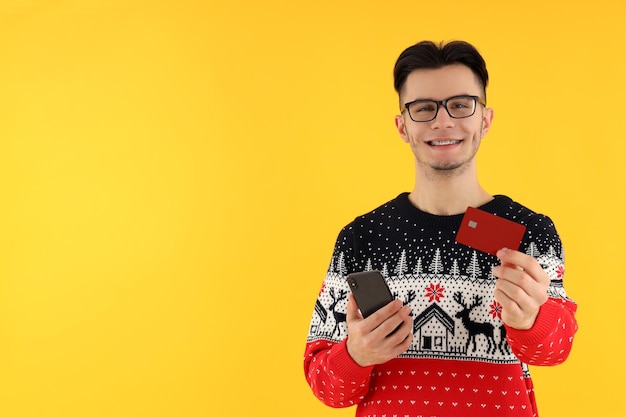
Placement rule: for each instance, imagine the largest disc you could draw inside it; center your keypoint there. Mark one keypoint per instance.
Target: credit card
(489, 233)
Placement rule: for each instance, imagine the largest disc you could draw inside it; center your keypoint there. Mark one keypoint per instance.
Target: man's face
(444, 145)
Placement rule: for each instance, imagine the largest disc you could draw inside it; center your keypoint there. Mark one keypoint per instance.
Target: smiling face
(443, 146)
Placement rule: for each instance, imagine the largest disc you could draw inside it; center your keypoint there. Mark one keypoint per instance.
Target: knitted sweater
(463, 360)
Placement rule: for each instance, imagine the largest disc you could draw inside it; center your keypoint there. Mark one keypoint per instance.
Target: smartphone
(370, 291)
(489, 233)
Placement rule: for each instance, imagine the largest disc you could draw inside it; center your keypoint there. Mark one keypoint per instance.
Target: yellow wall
(173, 175)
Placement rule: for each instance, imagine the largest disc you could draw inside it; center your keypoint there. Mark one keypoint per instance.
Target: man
(470, 322)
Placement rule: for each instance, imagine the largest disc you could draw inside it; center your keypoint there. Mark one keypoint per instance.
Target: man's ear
(402, 128)
(487, 119)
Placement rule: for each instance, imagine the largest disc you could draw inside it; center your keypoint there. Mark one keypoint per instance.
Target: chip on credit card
(489, 233)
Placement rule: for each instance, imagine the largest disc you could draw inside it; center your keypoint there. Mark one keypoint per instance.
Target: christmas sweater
(464, 361)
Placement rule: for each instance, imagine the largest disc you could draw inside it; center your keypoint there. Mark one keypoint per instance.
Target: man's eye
(424, 108)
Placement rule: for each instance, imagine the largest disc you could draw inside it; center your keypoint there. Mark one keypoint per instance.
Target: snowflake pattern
(560, 270)
(434, 292)
(322, 289)
(495, 309)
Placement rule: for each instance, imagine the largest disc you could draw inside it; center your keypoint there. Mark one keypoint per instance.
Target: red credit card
(489, 233)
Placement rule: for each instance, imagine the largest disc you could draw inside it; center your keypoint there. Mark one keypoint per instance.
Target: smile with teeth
(443, 142)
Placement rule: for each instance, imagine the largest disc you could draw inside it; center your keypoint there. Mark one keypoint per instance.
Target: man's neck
(448, 196)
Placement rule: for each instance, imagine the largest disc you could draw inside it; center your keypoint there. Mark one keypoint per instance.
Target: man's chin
(449, 170)
(451, 166)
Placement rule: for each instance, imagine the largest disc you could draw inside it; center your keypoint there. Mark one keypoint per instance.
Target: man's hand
(369, 340)
(522, 288)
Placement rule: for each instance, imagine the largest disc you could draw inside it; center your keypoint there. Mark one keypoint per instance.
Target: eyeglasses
(458, 107)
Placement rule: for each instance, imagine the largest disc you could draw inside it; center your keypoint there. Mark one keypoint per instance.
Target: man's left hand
(522, 288)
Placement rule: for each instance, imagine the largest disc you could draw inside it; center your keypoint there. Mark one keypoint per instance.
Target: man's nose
(443, 118)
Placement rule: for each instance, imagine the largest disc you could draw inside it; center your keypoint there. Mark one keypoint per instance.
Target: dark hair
(429, 55)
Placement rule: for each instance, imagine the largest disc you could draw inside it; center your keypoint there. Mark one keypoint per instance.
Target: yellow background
(173, 175)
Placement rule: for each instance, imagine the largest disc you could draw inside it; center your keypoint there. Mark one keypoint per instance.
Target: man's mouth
(443, 142)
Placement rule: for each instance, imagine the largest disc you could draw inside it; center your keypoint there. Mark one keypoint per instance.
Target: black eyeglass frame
(444, 104)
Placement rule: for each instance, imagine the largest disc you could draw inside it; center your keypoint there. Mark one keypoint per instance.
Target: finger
(515, 258)
(396, 324)
(522, 262)
(382, 314)
(401, 340)
(405, 331)
(517, 285)
(509, 306)
(535, 288)
(527, 296)
(515, 303)
(513, 292)
(352, 311)
(511, 274)
(515, 315)
(512, 266)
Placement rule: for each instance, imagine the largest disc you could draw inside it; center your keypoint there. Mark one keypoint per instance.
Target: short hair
(429, 55)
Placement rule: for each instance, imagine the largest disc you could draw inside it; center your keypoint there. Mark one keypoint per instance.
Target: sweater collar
(428, 220)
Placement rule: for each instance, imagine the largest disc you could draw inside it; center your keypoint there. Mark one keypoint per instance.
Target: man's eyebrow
(434, 99)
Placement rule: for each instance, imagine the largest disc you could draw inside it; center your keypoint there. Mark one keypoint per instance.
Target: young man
(470, 322)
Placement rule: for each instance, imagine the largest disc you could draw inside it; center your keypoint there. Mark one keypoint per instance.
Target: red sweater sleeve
(549, 341)
(333, 375)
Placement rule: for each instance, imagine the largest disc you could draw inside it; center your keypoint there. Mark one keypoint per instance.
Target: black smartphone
(370, 291)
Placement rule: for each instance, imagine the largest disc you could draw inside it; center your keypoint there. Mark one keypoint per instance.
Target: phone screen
(370, 291)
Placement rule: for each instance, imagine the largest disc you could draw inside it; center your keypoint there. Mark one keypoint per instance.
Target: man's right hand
(369, 340)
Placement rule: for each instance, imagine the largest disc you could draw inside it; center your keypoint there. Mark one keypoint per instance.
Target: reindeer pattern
(475, 328)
